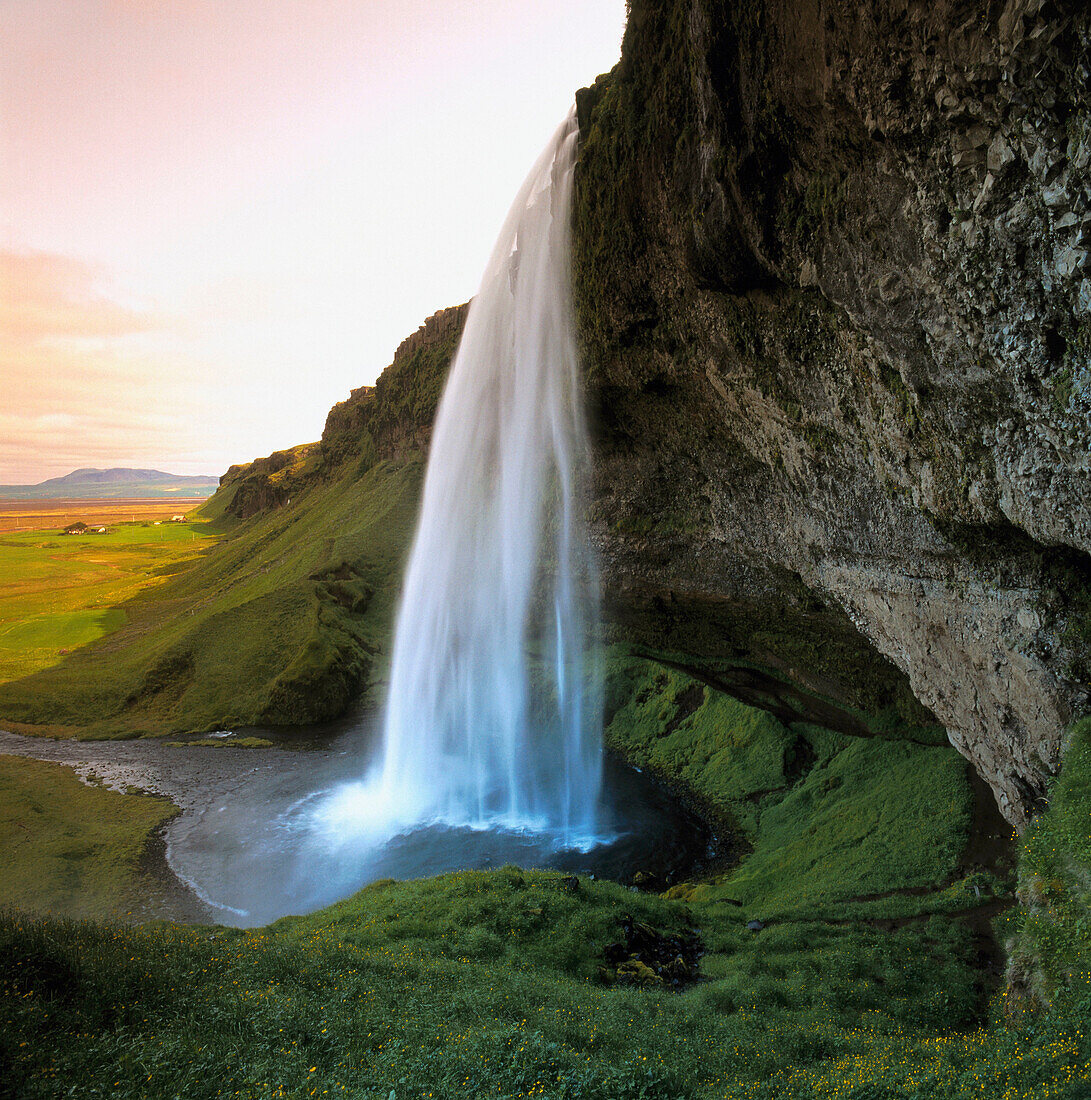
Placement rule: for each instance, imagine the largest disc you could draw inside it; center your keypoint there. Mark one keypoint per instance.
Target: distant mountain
(117, 482)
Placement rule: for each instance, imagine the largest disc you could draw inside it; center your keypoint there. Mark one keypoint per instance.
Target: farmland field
(60, 592)
(39, 515)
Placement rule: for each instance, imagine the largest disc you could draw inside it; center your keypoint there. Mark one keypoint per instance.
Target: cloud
(78, 386)
(45, 296)
(90, 381)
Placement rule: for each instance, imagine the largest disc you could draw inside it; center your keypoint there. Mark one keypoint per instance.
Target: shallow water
(253, 843)
(273, 846)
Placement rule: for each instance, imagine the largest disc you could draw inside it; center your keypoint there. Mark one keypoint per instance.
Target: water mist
(494, 711)
(491, 749)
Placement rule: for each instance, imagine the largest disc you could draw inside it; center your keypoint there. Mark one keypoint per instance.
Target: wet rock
(755, 925)
(1057, 195)
(649, 881)
(645, 953)
(677, 971)
(1071, 260)
(777, 413)
(1000, 154)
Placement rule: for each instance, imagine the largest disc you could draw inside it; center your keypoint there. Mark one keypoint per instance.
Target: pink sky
(218, 216)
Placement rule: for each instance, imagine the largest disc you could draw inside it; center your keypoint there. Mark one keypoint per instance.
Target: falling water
(494, 706)
(492, 741)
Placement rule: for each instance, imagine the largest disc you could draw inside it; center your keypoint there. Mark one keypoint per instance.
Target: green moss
(531, 920)
(74, 849)
(804, 216)
(821, 439)
(907, 405)
(662, 524)
(409, 390)
(829, 817)
(1066, 604)
(388, 420)
(265, 483)
(726, 754)
(873, 817)
(1053, 930)
(1062, 387)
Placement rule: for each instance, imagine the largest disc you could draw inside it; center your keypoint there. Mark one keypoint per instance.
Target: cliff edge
(833, 275)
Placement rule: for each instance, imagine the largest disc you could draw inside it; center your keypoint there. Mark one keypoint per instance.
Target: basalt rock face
(394, 417)
(267, 482)
(833, 273)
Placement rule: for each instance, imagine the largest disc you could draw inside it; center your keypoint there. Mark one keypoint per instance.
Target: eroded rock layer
(833, 272)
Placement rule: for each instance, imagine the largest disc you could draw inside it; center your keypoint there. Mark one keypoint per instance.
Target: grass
(828, 817)
(1052, 942)
(868, 818)
(483, 984)
(487, 984)
(71, 849)
(282, 622)
(59, 593)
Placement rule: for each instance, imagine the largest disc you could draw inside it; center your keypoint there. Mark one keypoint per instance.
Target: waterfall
(494, 710)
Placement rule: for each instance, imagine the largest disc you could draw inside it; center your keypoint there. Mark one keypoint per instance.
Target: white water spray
(494, 712)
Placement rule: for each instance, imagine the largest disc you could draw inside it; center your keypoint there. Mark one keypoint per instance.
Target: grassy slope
(486, 984)
(282, 621)
(474, 985)
(1052, 945)
(828, 817)
(72, 849)
(58, 593)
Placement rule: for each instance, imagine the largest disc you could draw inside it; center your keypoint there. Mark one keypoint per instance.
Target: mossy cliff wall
(394, 417)
(833, 278)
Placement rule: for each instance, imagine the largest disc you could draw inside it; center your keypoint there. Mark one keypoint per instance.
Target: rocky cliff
(394, 417)
(267, 482)
(390, 420)
(833, 280)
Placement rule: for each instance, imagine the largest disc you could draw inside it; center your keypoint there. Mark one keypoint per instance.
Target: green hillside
(282, 621)
(286, 617)
(516, 984)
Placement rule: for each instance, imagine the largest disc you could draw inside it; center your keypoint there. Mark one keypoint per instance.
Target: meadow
(280, 623)
(875, 974)
(73, 849)
(61, 592)
(488, 985)
(45, 515)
